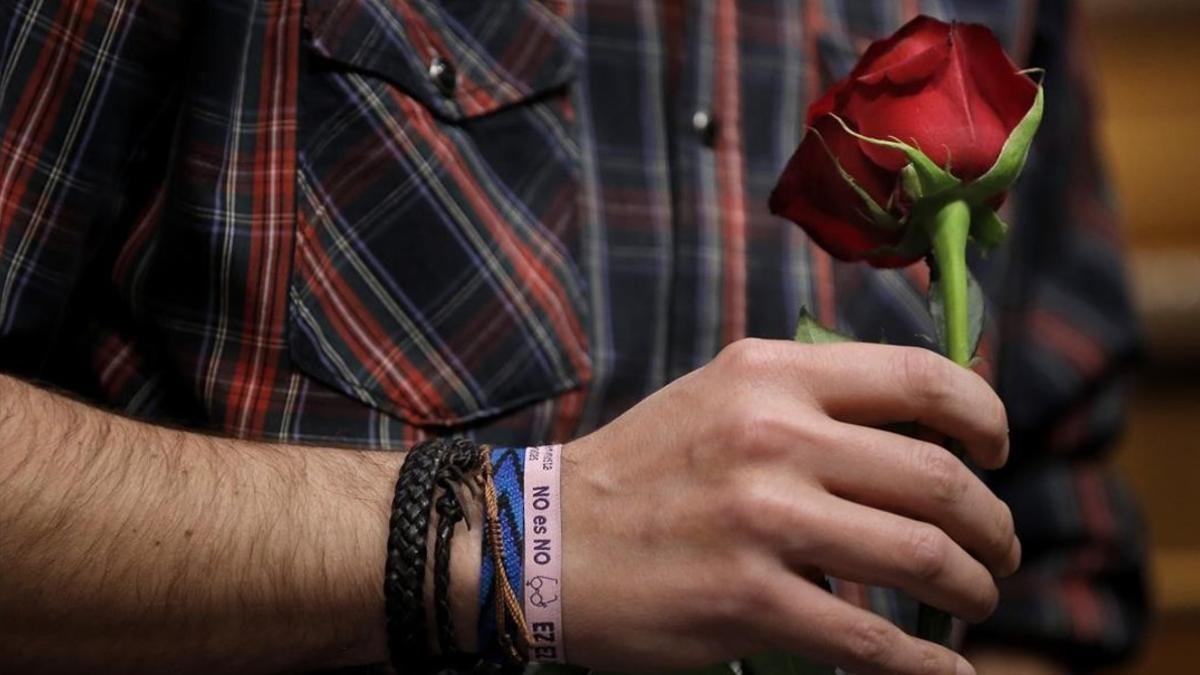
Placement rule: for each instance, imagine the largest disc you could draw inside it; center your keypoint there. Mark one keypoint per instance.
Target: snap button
(704, 123)
(444, 77)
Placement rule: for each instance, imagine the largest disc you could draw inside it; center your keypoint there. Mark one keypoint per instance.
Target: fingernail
(963, 668)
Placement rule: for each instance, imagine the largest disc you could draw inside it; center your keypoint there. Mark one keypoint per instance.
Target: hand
(695, 522)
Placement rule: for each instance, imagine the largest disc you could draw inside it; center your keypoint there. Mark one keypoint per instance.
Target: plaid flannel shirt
(269, 220)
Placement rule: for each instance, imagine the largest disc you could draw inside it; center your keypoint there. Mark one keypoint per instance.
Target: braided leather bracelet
(404, 575)
(458, 467)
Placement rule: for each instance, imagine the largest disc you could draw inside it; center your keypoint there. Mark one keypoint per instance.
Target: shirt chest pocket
(434, 272)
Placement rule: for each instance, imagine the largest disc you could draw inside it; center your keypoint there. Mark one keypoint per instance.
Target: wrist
(358, 542)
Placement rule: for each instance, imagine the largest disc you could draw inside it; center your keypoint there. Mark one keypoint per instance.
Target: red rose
(948, 90)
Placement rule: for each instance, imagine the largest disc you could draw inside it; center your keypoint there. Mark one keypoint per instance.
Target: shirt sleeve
(1070, 335)
(82, 84)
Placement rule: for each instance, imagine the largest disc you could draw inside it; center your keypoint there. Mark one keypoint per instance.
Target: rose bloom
(947, 89)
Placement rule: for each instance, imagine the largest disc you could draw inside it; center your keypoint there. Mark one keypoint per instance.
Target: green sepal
(877, 213)
(987, 228)
(1011, 161)
(933, 178)
(809, 331)
(976, 303)
(931, 186)
(911, 183)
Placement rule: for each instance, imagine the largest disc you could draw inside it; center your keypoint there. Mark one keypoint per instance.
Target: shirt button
(705, 124)
(444, 77)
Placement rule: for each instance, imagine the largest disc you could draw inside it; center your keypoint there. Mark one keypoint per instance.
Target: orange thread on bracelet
(510, 605)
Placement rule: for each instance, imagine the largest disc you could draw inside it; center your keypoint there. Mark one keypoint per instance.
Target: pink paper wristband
(543, 553)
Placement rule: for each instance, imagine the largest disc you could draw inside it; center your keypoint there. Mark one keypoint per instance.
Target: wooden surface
(1148, 65)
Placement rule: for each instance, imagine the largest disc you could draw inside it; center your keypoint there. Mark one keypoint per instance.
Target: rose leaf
(809, 331)
(987, 228)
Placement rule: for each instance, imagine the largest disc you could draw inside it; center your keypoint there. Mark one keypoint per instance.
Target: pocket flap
(435, 271)
(501, 51)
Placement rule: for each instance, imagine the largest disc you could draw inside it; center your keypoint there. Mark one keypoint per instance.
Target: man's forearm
(136, 547)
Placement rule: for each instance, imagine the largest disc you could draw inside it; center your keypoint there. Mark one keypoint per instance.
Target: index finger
(880, 384)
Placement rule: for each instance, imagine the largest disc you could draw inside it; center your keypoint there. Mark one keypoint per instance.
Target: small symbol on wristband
(545, 591)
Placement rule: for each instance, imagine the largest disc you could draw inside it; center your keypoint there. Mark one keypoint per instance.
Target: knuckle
(921, 370)
(989, 601)
(757, 433)
(1006, 529)
(744, 591)
(746, 355)
(999, 416)
(817, 432)
(992, 421)
(998, 425)
(983, 602)
(725, 602)
(744, 504)
(732, 508)
(927, 548)
(935, 659)
(870, 640)
(760, 512)
(944, 475)
(757, 593)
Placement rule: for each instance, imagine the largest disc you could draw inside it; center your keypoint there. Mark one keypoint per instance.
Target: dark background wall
(1148, 66)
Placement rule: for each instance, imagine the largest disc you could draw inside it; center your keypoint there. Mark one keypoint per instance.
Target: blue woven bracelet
(508, 475)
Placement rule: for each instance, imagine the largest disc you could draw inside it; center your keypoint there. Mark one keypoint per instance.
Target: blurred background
(1148, 66)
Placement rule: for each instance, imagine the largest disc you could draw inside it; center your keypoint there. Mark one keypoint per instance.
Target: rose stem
(950, 227)
(948, 231)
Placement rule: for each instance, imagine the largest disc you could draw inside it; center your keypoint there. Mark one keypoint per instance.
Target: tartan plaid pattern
(266, 220)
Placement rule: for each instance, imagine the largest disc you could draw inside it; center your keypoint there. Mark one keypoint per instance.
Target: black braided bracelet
(458, 468)
(404, 574)
(430, 466)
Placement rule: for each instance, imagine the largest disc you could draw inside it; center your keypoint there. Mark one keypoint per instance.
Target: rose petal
(945, 116)
(911, 39)
(814, 195)
(827, 103)
(996, 78)
(913, 70)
